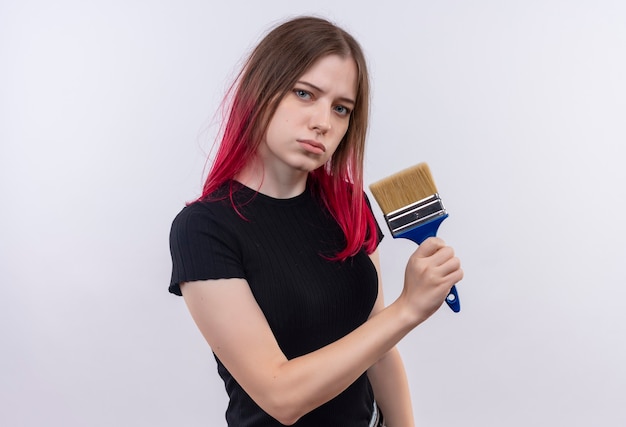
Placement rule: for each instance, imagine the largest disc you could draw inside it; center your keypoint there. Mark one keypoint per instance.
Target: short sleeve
(202, 247)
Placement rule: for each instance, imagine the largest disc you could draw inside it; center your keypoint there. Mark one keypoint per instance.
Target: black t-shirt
(281, 247)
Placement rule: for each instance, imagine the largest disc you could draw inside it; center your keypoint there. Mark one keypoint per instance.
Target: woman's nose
(320, 121)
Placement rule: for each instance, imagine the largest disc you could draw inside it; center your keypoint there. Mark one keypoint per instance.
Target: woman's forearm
(391, 390)
(316, 378)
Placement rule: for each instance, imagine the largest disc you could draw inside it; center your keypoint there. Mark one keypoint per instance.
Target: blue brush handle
(421, 233)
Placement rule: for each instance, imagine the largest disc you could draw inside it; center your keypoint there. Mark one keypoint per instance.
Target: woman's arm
(234, 326)
(391, 390)
(388, 377)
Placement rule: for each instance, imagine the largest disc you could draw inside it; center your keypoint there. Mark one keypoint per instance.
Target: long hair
(270, 72)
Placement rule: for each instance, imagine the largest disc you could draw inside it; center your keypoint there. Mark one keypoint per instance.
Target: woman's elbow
(283, 408)
(287, 421)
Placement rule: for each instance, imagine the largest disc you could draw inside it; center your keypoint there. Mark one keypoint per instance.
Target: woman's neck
(277, 184)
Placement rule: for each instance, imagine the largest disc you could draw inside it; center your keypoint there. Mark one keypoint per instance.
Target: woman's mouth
(312, 146)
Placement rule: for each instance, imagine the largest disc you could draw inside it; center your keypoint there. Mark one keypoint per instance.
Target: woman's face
(311, 120)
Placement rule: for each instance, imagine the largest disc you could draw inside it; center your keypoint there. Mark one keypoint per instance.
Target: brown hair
(271, 71)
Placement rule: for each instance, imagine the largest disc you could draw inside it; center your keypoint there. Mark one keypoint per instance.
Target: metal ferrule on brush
(415, 214)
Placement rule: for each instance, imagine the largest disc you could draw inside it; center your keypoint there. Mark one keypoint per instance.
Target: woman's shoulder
(201, 214)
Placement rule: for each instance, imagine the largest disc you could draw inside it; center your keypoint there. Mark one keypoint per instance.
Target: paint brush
(413, 209)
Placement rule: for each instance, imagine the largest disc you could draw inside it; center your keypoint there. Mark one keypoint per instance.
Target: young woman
(277, 260)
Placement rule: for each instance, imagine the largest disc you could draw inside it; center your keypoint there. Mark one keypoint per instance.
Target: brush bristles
(404, 188)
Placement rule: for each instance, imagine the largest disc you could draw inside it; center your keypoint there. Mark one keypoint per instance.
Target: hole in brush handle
(453, 300)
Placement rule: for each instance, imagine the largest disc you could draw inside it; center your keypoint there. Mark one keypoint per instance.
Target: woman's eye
(340, 109)
(300, 93)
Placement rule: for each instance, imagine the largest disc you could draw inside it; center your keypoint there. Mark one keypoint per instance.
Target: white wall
(106, 114)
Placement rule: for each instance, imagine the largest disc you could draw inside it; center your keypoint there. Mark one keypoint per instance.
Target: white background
(107, 112)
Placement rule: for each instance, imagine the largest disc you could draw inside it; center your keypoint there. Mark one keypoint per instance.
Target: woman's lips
(312, 146)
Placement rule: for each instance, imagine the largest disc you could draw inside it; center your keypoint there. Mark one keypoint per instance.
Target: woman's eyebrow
(320, 90)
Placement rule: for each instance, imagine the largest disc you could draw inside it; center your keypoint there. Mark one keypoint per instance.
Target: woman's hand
(430, 273)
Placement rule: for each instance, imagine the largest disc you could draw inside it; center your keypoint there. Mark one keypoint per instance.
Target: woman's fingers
(430, 273)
